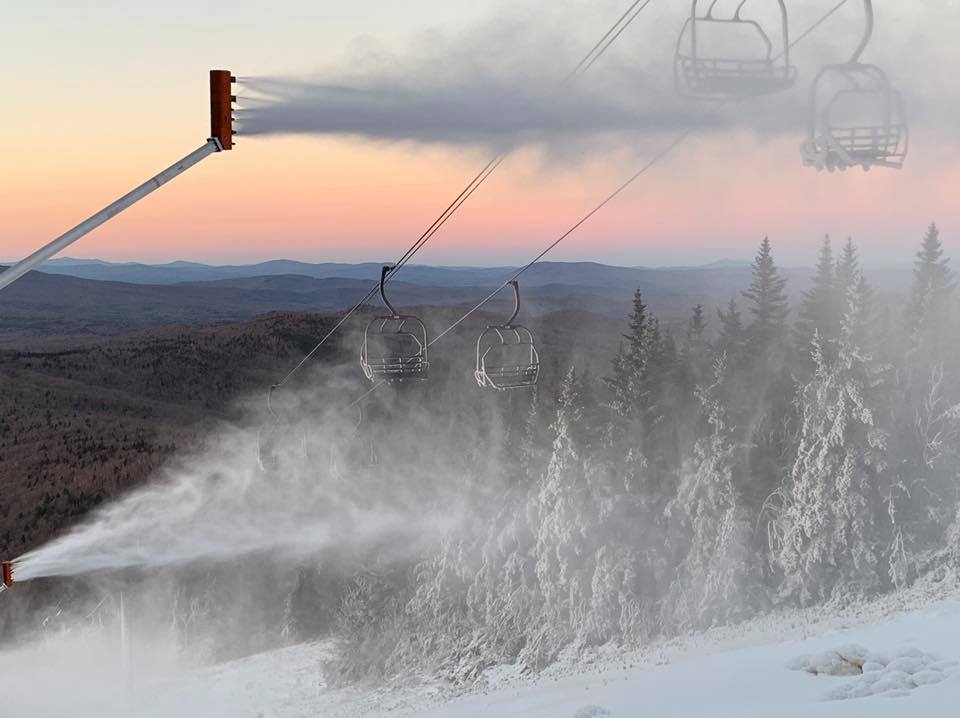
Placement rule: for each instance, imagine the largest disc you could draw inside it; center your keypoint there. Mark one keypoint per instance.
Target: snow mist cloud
(504, 83)
(481, 110)
(220, 505)
(500, 84)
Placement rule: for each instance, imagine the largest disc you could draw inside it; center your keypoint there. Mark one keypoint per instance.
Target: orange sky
(91, 117)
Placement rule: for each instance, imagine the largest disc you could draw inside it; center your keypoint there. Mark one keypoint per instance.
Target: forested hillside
(698, 482)
(656, 482)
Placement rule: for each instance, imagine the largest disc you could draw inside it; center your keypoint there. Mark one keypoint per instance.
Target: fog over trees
(756, 462)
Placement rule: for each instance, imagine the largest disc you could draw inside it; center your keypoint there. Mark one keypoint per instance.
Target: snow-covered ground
(907, 647)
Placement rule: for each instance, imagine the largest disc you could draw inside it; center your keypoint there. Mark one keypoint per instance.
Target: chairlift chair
(359, 453)
(857, 117)
(394, 346)
(747, 65)
(506, 355)
(280, 443)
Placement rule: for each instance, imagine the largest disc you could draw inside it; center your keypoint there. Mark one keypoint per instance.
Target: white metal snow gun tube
(221, 125)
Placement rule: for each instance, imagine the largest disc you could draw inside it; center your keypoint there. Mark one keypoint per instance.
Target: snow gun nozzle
(221, 108)
(7, 567)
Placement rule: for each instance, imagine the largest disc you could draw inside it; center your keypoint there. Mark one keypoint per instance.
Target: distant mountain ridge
(579, 273)
(77, 297)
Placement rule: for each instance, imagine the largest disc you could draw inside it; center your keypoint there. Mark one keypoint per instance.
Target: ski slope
(908, 644)
(753, 681)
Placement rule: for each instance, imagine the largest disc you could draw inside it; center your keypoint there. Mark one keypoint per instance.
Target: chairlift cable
(604, 44)
(583, 220)
(643, 170)
(657, 158)
(813, 28)
(439, 222)
(615, 36)
(676, 142)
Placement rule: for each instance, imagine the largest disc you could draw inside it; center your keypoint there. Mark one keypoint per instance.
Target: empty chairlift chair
(734, 58)
(856, 116)
(506, 355)
(280, 444)
(394, 346)
(358, 452)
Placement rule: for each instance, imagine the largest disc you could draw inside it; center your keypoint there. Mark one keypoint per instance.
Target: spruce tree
(828, 531)
(766, 379)
(696, 353)
(932, 286)
(847, 274)
(631, 366)
(926, 419)
(818, 310)
(768, 301)
(732, 340)
(718, 579)
(563, 513)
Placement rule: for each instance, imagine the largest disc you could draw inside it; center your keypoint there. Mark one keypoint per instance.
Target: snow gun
(221, 138)
(7, 568)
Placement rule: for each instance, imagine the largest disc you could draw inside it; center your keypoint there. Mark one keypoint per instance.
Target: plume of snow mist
(220, 505)
(479, 110)
(499, 84)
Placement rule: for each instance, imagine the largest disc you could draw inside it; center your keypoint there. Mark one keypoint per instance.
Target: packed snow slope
(897, 657)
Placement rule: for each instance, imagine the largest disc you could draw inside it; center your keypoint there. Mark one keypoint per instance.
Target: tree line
(768, 457)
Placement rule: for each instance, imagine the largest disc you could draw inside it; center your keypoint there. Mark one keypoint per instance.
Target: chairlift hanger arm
(383, 294)
(868, 32)
(516, 305)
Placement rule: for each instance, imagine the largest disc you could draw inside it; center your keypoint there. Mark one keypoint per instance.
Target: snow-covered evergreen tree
(563, 512)
(718, 579)
(767, 301)
(923, 489)
(819, 312)
(732, 340)
(932, 285)
(829, 533)
(765, 380)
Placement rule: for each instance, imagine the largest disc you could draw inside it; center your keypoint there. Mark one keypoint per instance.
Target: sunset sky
(101, 94)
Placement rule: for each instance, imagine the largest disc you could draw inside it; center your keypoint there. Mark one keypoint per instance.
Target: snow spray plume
(499, 84)
(220, 505)
(479, 111)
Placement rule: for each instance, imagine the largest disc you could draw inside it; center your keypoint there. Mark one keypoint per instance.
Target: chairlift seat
(718, 78)
(701, 72)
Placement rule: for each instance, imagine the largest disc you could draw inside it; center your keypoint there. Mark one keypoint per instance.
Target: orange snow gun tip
(221, 107)
(7, 573)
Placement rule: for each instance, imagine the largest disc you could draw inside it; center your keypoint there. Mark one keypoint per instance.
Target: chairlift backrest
(731, 58)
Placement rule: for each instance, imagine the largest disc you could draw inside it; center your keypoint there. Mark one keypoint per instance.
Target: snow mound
(593, 712)
(844, 661)
(877, 674)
